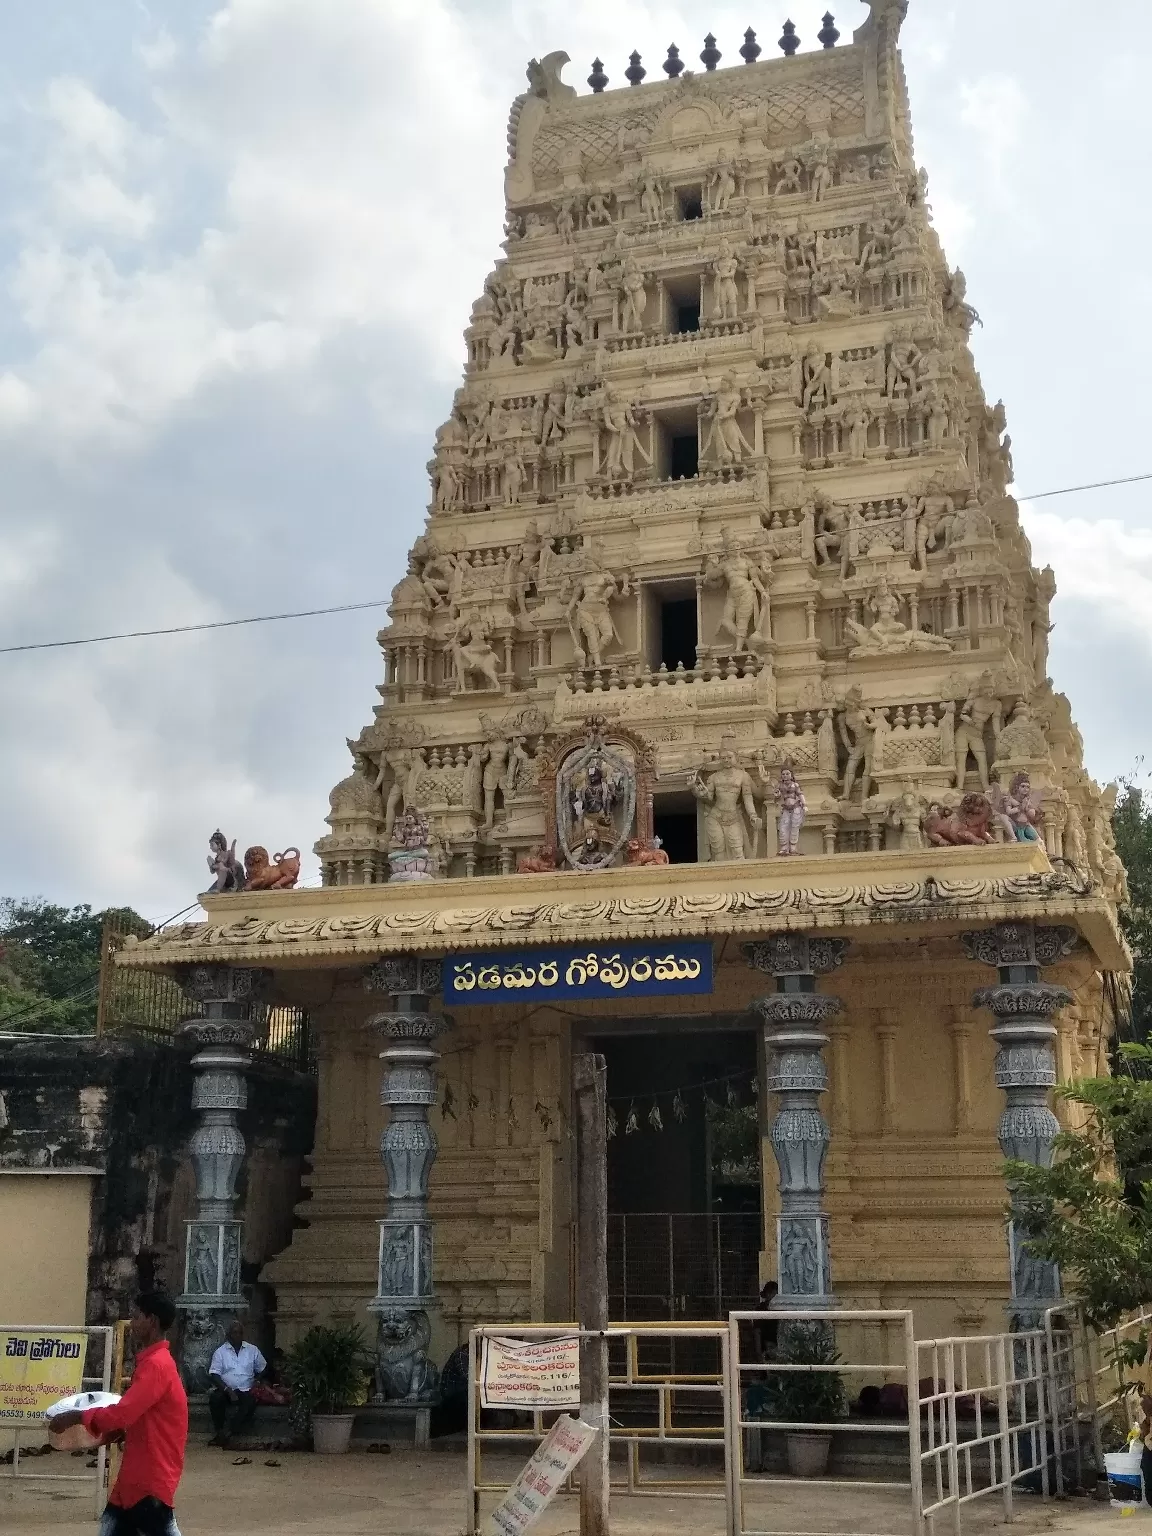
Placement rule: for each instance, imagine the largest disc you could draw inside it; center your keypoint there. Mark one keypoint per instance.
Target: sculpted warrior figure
(905, 814)
(725, 440)
(857, 739)
(622, 444)
(793, 808)
(633, 298)
(495, 759)
(902, 374)
(590, 619)
(831, 538)
(980, 707)
(395, 761)
(936, 517)
(819, 174)
(722, 186)
(817, 379)
(652, 201)
(727, 305)
(746, 591)
(789, 177)
(727, 792)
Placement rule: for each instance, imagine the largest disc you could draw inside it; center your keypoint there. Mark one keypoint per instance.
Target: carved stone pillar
(214, 1238)
(1024, 1006)
(793, 1042)
(408, 1147)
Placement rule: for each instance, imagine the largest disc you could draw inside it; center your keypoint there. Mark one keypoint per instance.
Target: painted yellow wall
(44, 1240)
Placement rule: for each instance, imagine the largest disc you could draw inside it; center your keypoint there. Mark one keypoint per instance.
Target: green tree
(1132, 826)
(50, 964)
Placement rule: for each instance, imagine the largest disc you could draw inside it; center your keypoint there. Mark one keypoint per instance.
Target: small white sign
(532, 1492)
(542, 1374)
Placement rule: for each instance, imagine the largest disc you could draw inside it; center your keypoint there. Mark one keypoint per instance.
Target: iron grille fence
(682, 1265)
(152, 1007)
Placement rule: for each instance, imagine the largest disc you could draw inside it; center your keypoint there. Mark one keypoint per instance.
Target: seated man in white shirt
(235, 1366)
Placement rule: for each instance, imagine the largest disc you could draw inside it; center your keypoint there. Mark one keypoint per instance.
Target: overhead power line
(382, 602)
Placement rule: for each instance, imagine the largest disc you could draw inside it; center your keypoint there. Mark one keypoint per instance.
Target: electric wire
(382, 602)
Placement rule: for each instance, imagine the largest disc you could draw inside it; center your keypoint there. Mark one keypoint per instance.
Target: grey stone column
(794, 1040)
(214, 1240)
(1023, 1007)
(408, 1147)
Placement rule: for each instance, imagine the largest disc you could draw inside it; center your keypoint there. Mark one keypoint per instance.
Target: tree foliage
(1132, 826)
(50, 964)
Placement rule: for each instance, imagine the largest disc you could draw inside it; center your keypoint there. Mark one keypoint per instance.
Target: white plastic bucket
(77, 1438)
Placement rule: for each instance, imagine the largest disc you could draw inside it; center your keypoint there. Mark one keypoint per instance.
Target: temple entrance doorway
(684, 1222)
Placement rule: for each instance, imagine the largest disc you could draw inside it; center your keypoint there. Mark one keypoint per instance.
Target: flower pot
(331, 1433)
(808, 1454)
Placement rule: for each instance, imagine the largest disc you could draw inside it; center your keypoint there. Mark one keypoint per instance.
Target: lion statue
(540, 860)
(637, 853)
(970, 822)
(278, 875)
(404, 1373)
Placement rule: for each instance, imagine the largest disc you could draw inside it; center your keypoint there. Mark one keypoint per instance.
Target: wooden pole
(590, 1082)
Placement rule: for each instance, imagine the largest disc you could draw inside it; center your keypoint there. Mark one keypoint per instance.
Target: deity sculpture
(589, 613)
(596, 794)
(746, 592)
(793, 808)
(902, 374)
(731, 809)
(473, 653)
(856, 419)
(633, 297)
(831, 524)
(622, 444)
(727, 305)
(721, 186)
(888, 635)
(789, 178)
(935, 519)
(225, 868)
(725, 441)
(652, 201)
(1018, 810)
(495, 762)
(819, 173)
(396, 761)
(857, 739)
(816, 382)
(980, 708)
(905, 814)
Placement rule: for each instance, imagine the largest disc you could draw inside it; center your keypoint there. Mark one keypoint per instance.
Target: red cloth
(154, 1415)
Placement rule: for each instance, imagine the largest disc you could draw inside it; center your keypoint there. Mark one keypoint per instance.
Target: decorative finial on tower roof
(635, 71)
(751, 49)
(673, 64)
(828, 32)
(597, 79)
(711, 54)
(789, 42)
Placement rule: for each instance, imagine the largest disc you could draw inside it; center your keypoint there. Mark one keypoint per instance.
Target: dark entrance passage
(683, 1174)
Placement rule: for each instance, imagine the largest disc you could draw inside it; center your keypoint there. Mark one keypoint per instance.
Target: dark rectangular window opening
(690, 202)
(675, 825)
(678, 632)
(683, 456)
(687, 318)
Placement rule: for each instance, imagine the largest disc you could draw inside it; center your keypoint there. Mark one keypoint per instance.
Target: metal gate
(681, 1265)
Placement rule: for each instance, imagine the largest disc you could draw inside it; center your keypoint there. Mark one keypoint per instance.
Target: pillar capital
(795, 954)
(405, 975)
(222, 984)
(1019, 947)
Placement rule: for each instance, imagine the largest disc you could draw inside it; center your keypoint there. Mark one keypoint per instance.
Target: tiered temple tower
(720, 497)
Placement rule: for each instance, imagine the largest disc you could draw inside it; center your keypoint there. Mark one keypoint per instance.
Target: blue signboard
(581, 971)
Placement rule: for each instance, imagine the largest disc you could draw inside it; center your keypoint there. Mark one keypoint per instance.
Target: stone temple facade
(721, 565)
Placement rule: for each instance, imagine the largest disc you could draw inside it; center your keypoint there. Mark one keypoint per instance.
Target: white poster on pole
(536, 1487)
(544, 1374)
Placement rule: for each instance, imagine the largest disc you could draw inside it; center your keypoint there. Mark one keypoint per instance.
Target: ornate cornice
(591, 914)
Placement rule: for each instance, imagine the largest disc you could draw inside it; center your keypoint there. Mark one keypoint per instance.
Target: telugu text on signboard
(544, 1374)
(625, 970)
(37, 1369)
(536, 1487)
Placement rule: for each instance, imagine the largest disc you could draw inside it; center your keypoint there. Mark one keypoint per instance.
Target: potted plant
(327, 1370)
(806, 1397)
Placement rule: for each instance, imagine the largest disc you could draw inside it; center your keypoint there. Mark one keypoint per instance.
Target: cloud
(1101, 562)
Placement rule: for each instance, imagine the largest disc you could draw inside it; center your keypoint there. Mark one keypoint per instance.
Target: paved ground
(410, 1493)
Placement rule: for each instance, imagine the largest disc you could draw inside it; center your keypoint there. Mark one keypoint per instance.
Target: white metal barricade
(648, 1405)
(742, 1372)
(92, 1381)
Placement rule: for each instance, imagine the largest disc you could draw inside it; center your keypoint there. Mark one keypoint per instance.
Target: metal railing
(93, 1380)
(649, 1404)
(150, 1006)
(681, 1265)
(741, 1424)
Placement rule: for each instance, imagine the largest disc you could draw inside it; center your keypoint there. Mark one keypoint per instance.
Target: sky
(239, 242)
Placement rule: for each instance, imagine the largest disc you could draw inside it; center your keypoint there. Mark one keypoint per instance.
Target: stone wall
(124, 1105)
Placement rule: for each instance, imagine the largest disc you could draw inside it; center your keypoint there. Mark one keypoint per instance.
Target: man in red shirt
(153, 1418)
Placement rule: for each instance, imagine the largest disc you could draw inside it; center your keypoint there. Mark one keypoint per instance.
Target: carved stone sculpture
(589, 613)
(793, 807)
(725, 442)
(279, 874)
(730, 813)
(746, 592)
(727, 299)
(888, 635)
(970, 822)
(981, 709)
(223, 865)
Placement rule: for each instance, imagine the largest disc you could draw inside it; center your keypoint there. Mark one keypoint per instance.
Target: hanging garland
(678, 1102)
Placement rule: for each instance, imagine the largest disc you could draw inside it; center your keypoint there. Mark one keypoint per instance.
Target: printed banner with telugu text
(36, 1370)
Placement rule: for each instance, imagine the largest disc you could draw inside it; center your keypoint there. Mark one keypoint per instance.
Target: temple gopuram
(715, 734)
